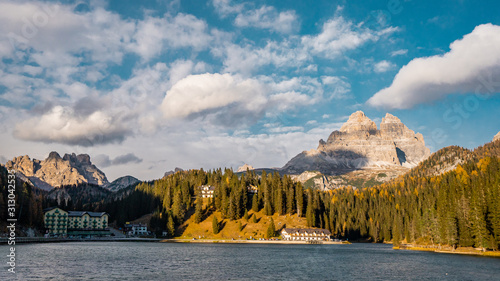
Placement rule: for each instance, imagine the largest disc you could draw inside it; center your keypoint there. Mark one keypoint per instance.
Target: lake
(193, 261)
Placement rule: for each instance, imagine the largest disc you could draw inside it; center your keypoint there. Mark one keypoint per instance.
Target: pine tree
(396, 233)
(170, 225)
(215, 225)
(178, 208)
(299, 194)
(240, 227)
(255, 203)
(271, 230)
(198, 215)
(310, 213)
(245, 216)
(254, 218)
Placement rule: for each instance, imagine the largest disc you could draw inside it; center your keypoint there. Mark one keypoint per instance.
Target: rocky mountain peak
(389, 118)
(358, 122)
(359, 144)
(496, 137)
(53, 156)
(55, 171)
(244, 168)
(84, 158)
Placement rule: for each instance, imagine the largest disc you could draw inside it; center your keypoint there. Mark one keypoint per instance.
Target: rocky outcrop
(359, 144)
(496, 137)
(244, 168)
(56, 171)
(121, 183)
(177, 169)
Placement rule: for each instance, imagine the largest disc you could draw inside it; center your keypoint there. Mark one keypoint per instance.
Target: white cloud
(383, 66)
(265, 17)
(468, 67)
(336, 87)
(248, 59)
(154, 34)
(63, 125)
(54, 30)
(230, 100)
(339, 35)
(225, 7)
(399, 52)
(222, 95)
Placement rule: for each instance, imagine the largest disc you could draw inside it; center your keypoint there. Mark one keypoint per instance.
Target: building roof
(308, 231)
(97, 214)
(81, 213)
(77, 213)
(209, 187)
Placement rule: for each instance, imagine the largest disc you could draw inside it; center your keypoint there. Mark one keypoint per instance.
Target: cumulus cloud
(339, 35)
(265, 17)
(104, 161)
(383, 66)
(52, 29)
(222, 96)
(64, 125)
(154, 34)
(246, 59)
(468, 67)
(230, 100)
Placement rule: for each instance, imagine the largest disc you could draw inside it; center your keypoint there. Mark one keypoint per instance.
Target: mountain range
(71, 169)
(360, 154)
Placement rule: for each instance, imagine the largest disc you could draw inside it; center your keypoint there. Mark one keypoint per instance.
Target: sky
(147, 86)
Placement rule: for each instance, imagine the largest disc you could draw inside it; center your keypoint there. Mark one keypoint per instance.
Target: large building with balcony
(77, 223)
(305, 234)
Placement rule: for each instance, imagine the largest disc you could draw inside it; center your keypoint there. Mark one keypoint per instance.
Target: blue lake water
(190, 261)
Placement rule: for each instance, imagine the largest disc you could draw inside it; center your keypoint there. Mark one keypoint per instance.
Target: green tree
(245, 216)
(255, 203)
(299, 194)
(198, 215)
(215, 225)
(271, 230)
(178, 207)
(310, 213)
(254, 218)
(170, 225)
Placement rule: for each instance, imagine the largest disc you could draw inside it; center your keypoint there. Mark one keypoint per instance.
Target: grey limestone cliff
(56, 171)
(360, 144)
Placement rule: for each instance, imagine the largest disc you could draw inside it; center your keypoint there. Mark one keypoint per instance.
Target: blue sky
(147, 86)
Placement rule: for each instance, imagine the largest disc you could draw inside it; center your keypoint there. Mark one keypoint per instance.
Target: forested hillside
(28, 202)
(459, 207)
(452, 199)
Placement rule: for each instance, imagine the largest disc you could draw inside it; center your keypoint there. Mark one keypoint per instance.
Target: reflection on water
(171, 261)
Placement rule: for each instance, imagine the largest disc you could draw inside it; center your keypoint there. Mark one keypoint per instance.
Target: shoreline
(448, 250)
(42, 240)
(227, 241)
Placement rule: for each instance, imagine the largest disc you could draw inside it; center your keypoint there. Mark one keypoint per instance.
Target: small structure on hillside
(305, 234)
(252, 189)
(207, 191)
